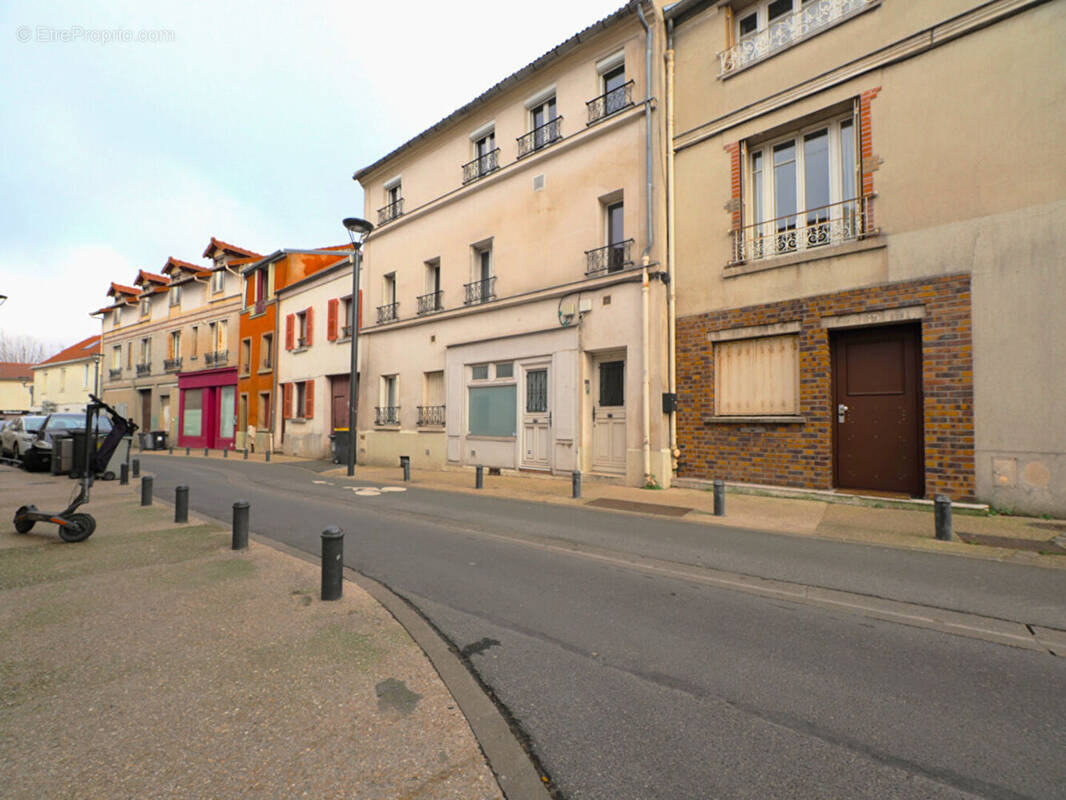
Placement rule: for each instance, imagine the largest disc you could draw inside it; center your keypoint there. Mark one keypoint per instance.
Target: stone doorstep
(829, 496)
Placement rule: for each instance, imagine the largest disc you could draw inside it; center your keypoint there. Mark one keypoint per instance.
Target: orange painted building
(259, 337)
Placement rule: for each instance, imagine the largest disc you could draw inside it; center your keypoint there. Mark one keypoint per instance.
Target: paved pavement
(153, 661)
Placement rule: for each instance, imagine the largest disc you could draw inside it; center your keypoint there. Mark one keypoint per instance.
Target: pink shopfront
(208, 408)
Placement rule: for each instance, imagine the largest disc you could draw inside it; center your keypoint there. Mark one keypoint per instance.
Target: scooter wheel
(79, 528)
(24, 525)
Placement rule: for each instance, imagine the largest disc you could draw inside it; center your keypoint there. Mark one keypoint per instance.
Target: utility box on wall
(669, 402)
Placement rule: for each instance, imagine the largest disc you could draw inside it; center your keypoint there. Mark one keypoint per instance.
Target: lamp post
(357, 232)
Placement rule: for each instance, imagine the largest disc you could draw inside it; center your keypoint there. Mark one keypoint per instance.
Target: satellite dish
(567, 311)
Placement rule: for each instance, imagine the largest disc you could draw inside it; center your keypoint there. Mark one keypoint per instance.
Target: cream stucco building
(870, 218)
(515, 280)
(64, 382)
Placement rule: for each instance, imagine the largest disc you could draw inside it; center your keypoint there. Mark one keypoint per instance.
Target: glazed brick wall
(801, 454)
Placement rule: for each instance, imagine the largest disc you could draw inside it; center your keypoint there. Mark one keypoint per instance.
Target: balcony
(216, 358)
(540, 137)
(610, 102)
(786, 31)
(428, 303)
(114, 374)
(612, 258)
(390, 312)
(387, 415)
(480, 291)
(481, 166)
(172, 364)
(144, 369)
(804, 231)
(391, 211)
(431, 415)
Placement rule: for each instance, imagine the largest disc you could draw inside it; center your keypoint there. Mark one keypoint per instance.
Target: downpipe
(646, 257)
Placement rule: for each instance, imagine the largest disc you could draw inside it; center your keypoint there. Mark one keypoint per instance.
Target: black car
(39, 454)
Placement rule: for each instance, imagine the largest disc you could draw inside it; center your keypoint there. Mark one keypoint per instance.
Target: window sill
(778, 419)
(296, 350)
(265, 371)
(431, 429)
(298, 420)
(872, 242)
(388, 426)
(474, 437)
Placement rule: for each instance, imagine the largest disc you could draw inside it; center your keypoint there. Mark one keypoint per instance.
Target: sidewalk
(153, 661)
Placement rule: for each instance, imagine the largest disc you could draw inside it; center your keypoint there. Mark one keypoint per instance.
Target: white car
(17, 437)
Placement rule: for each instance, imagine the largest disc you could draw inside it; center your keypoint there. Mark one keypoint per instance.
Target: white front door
(609, 415)
(536, 420)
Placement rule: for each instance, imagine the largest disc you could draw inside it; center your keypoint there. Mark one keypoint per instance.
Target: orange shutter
(310, 326)
(331, 320)
(286, 400)
(309, 399)
(290, 322)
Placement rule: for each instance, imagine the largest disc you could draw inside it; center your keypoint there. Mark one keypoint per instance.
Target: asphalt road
(638, 684)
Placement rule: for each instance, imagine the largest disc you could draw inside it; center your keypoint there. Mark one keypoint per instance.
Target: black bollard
(136, 468)
(205, 451)
(268, 456)
(719, 498)
(181, 504)
(240, 525)
(575, 483)
(124, 475)
(225, 452)
(405, 462)
(332, 563)
(246, 454)
(172, 449)
(942, 515)
(188, 450)
(146, 490)
(479, 477)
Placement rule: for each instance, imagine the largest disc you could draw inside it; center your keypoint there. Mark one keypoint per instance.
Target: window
(218, 280)
(505, 370)
(146, 351)
(246, 356)
(146, 306)
(346, 315)
(483, 286)
(129, 355)
(612, 383)
(195, 343)
(301, 329)
(536, 391)
(388, 412)
(174, 345)
(85, 377)
(260, 290)
(116, 357)
(757, 376)
(263, 411)
(301, 399)
(266, 350)
(222, 336)
(479, 372)
(175, 296)
(545, 124)
(431, 412)
(492, 405)
(389, 308)
(486, 154)
(803, 192)
(393, 202)
(432, 300)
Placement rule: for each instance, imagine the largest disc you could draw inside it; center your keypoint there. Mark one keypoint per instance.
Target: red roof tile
(118, 288)
(13, 371)
(83, 349)
(151, 277)
(218, 244)
(177, 264)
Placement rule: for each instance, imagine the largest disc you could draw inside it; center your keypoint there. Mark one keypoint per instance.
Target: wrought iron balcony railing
(216, 357)
(389, 312)
(610, 102)
(386, 415)
(540, 137)
(785, 31)
(391, 211)
(430, 415)
(172, 364)
(481, 166)
(480, 291)
(144, 369)
(805, 230)
(612, 258)
(114, 374)
(428, 303)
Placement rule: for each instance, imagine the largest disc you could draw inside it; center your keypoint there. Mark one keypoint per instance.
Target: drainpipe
(645, 380)
(671, 297)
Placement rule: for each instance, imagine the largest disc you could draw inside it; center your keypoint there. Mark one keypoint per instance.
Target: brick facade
(801, 454)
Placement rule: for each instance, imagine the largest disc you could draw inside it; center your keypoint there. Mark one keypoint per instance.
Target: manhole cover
(1035, 545)
(639, 508)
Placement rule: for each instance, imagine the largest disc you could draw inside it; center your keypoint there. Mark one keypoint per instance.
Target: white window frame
(175, 296)
(218, 278)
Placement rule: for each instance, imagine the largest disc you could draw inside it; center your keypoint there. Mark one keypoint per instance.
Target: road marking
(325, 483)
(393, 489)
(365, 491)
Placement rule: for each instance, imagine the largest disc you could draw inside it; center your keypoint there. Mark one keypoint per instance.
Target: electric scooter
(74, 526)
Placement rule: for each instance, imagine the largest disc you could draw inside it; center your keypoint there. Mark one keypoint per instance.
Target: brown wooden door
(877, 425)
(338, 390)
(146, 410)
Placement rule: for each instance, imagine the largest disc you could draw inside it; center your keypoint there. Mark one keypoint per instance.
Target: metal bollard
(719, 498)
(136, 468)
(942, 515)
(172, 449)
(575, 483)
(405, 462)
(240, 525)
(146, 490)
(188, 450)
(332, 563)
(479, 477)
(268, 456)
(225, 452)
(124, 475)
(181, 504)
(205, 451)
(246, 454)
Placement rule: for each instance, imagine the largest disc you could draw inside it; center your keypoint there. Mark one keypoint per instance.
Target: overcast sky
(241, 120)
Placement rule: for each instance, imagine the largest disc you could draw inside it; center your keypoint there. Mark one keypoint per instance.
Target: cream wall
(969, 179)
(15, 397)
(69, 391)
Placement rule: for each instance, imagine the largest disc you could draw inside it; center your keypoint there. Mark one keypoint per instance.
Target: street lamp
(358, 229)
(3, 297)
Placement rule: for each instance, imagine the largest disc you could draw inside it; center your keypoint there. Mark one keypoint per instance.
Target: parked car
(17, 436)
(39, 454)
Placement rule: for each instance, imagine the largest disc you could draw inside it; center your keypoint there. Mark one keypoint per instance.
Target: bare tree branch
(26, 349)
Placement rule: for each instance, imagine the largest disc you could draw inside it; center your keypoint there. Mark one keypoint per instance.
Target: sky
(135, 131)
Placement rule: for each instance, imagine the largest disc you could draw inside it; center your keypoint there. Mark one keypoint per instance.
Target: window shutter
(331, 320)
(290, 322)
(286, 400)
(757, 376)
(310, 325)
(309, 399)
